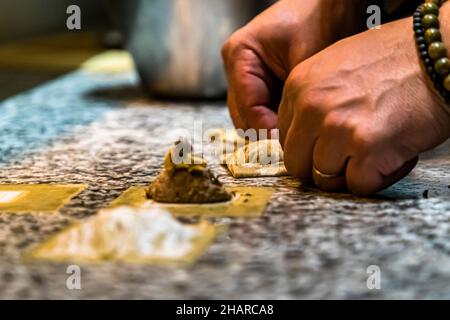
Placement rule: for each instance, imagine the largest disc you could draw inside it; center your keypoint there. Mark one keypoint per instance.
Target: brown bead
(432, 35)
(442, 66)
(431, 8)
(430, 21)
(437, 50)
(447, 83)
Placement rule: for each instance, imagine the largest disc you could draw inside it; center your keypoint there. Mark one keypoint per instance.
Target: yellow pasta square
(129, 235)
(27, 198)
(247, 202)
(256, 170)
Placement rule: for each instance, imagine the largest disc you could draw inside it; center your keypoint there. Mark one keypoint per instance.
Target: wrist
(432, 35)
(444, 18)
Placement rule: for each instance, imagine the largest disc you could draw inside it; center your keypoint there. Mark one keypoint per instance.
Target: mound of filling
(125, 234)
(187, 182)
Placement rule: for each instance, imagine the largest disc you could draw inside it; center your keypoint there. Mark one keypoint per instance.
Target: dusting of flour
(125, 232)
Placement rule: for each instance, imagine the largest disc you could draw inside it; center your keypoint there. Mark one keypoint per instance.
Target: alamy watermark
(374, 279)
(73, 281)
(246, 146)
(73, 21)
(374, 19)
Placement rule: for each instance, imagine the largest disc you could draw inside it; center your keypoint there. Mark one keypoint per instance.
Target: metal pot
(176, 43)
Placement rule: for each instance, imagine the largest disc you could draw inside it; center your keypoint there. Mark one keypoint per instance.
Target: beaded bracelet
(432, 50)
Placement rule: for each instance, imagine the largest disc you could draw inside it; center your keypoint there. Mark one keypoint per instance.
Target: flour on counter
(125, 233)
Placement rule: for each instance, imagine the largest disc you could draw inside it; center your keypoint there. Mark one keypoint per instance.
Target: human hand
(259, 57)
(364, 108)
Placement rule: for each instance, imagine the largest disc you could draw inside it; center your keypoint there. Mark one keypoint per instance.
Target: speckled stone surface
(100, 130)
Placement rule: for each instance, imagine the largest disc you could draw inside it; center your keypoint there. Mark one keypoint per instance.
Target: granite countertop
(101, 130)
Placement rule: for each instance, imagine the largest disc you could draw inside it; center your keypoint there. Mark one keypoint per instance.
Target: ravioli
(248, 159)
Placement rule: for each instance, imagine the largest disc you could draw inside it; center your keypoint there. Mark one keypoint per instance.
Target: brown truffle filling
(186, 183)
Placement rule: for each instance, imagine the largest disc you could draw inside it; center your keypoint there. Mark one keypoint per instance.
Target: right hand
(259, 57)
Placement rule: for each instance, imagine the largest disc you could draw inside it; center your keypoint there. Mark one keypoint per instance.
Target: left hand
(364, 108)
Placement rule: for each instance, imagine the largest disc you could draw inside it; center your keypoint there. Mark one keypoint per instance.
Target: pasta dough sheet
(29, 198)
(112, 61)
(247, 202)
(244, 159)
(130, 235)
(257, 170)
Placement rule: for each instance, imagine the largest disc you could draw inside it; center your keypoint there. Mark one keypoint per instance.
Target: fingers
(361, 182)
(339, 150)
(365, 179)
(250, 85)
(299, 124)
(330, 162)
(334, 172)
(331, 153)
(400, 173)
(234, 112)
(298, 150)
(285, 116)
(329, 183)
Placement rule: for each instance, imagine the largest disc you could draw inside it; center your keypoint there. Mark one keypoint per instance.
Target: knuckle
(335, 120)
(363, 139)
(294, 79)
(226, 48)
(311, 99)
(232, 46)
(314, 102)
(350, 125)
(291, 87)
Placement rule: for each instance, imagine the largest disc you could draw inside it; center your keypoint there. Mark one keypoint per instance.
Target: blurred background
(28, 18)
(174, 44)
(35, 45)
